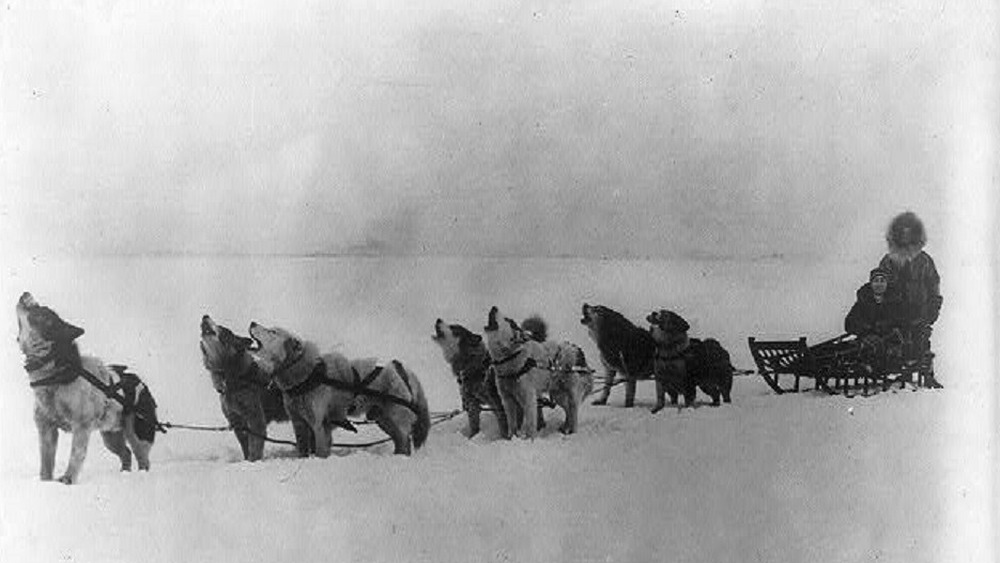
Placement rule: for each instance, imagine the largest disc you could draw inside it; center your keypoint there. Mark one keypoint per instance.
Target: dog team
(274, 375)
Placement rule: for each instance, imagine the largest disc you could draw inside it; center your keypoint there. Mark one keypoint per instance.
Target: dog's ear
(293, 348)
(71, 332)
(242, 342)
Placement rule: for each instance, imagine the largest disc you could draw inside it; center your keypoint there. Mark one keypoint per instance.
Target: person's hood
(905, 237)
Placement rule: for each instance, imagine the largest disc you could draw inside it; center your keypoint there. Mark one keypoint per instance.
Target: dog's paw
(600, 402)
(657, 408)
(66, 480)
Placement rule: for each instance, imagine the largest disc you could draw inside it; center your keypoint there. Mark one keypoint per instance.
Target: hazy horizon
(587, 130)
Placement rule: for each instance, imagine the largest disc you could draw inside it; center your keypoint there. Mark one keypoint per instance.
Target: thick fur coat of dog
(322, 390)
(527, 369)
(466, 353)
(65, 400)
(624, 347)
(683, 364)
(248, 402)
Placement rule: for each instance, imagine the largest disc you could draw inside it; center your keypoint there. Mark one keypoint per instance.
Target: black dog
(624, 347)
(685, 364)
(466, 354)
(248, 402)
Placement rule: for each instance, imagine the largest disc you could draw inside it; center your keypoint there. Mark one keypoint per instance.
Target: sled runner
(838, 365)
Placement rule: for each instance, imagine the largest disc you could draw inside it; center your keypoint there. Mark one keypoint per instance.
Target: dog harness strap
(59, 378)
(360, 387)
(316, 378)
(529, 365)
(509, 358)
(402, 375)
(364, 383)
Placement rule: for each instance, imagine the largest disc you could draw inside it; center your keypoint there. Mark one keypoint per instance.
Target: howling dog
(466, 354)
(79, 394)
(248, 402)
(526, 369)
(322, 390)
(624, 347)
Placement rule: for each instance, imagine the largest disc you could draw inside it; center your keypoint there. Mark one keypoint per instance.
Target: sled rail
(777, 358)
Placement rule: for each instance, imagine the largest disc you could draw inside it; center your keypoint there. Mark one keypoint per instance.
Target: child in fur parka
(911, 270)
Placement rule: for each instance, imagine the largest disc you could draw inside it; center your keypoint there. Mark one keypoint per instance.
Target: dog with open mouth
(322, 390)
(529, 367)
(625, 348)
(466, 354)
(248, 402)
(80, 394)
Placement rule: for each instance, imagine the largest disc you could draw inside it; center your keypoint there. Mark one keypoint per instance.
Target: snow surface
(902, 476)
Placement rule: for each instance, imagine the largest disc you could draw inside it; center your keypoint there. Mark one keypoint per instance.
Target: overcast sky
(500, 128)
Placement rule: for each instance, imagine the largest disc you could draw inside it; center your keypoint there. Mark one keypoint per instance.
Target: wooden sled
(836, 366)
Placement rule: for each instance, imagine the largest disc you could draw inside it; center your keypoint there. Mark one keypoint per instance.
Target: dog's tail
(422, 428)
(536, 328)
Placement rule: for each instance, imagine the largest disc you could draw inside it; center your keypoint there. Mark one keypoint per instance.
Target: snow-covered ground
(902, 476)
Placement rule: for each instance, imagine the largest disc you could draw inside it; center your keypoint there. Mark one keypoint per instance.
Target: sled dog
(466, 354)
(247, 401)
(322, 390)
(624, 347)
(684, 364)
(527, 369)
(65, 399)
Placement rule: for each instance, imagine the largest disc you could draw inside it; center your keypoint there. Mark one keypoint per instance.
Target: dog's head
(220, 348)
(274, 347)
(454, 339)
(665, 325)
(41, 332)
(597, 318)
(503, 335)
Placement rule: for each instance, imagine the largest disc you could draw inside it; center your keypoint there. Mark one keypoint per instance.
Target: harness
(359, 386)
(129, 384)
(529, 365)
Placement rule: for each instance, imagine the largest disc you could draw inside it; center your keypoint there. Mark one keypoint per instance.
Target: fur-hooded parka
(911, 270)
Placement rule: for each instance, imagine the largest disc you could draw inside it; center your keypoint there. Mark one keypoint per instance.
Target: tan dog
(322, 390)
(65, 400)
(527, 370)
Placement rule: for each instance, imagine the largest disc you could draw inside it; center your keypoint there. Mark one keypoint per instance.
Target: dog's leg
(315, 416)
(139, 446)
(501, 416)
(511, 410)
(609, 379)
(78, 453)
(257, 424)
(115, 442)
(527, 397)
(471, 403)
(630, 384)
(402, 442)
(660, 390)
(48, 439)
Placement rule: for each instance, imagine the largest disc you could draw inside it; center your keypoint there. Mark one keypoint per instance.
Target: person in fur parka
(911, 270)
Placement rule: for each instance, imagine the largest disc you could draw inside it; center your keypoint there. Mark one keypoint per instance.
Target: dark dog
(72, 394)
(685, 364)
(624, 347)
(466, 353)
(248, 402)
